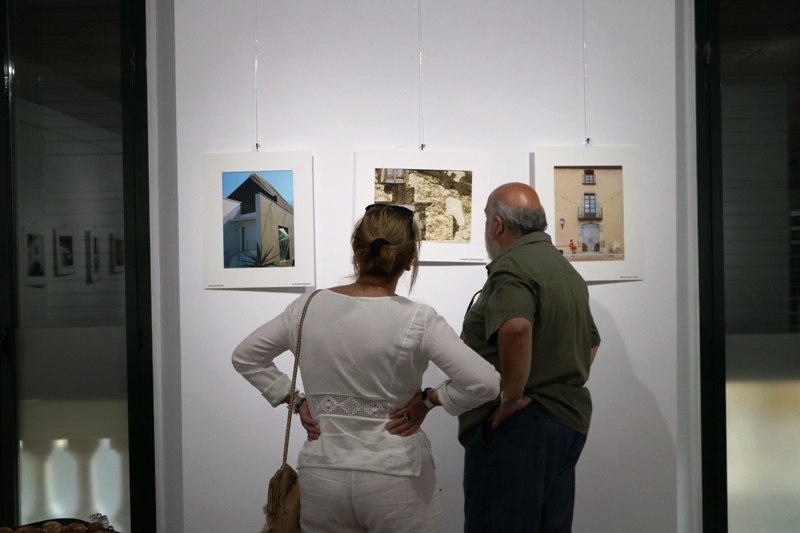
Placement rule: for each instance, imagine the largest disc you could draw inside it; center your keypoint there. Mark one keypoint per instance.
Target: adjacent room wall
(501, 77)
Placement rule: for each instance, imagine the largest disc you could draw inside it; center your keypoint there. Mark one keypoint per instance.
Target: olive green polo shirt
(531, 279)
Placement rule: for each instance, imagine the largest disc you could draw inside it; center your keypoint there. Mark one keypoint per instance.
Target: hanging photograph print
(445, 191)
(440, 199)
(91, 251)
(589, 208)
(34, 268)
(116, 252)
(64, 246)
(258, 219)
(592, 200)
(257, 235)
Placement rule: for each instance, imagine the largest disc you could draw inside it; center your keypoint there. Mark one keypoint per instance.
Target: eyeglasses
(396, 208)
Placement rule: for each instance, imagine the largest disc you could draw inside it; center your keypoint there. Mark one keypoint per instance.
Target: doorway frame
(710, 268)
(9, 447)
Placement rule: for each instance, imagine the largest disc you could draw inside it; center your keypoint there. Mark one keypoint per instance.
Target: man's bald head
(516, 195)
(518, 205)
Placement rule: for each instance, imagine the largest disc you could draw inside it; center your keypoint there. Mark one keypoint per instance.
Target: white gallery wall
(500, 77)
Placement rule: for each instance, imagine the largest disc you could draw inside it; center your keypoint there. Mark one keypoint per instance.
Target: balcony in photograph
(585, 214)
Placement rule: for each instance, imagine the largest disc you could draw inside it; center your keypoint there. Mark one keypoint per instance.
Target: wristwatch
(298, 400)
(427, 401)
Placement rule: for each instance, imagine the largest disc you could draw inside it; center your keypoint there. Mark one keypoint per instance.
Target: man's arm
(592, 353)
(514, 344)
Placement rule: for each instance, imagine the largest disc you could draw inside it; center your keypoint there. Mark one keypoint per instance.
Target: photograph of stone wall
(440, 199)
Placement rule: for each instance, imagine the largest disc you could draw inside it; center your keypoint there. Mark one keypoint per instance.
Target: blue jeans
(521, 476)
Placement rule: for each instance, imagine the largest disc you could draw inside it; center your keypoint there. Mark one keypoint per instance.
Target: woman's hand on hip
(408, 419)
(309, 424)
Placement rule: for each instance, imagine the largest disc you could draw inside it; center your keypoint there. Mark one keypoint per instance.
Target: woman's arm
(254, 356)
(472, 380)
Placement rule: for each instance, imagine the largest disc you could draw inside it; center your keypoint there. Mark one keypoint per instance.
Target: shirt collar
(530, 238)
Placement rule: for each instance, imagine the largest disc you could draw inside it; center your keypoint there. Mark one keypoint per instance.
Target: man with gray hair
(533, 323)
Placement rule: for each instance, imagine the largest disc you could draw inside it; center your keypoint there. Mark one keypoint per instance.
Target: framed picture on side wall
(92, 257)
(116, 252)
(258, 212)
(446, 191)
(592, 199)
(35, 266)
(64, 251)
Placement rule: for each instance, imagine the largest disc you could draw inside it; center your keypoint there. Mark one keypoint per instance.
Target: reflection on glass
(760, 192)
(67, 160)
(763, 456)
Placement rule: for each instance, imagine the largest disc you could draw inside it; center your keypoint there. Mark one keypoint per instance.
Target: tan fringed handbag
(283, 500)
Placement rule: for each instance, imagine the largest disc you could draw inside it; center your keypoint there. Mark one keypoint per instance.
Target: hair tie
(376, 245)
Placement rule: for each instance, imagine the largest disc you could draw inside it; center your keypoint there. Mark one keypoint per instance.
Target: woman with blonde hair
(366, 466)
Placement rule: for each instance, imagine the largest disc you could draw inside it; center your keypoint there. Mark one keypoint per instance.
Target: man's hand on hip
(506, 409)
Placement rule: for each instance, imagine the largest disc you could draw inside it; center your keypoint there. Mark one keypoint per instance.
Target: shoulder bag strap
(294, 377)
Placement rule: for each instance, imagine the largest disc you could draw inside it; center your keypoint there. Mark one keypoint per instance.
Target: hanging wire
(255, 70)
(588, 140)
(419, 76)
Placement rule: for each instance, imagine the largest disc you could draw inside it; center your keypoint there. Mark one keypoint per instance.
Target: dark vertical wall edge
(141, 422)
(711, 276)
(9, 457)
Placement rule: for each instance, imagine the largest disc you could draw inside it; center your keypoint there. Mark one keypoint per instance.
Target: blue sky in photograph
(280, 179)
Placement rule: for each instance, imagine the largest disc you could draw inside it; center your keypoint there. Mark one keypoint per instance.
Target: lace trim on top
(339, 404)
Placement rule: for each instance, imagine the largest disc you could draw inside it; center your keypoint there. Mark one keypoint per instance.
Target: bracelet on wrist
(512, 403)
(297, 401)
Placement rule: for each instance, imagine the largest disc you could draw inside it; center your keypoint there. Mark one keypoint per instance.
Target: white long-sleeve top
(361, 359)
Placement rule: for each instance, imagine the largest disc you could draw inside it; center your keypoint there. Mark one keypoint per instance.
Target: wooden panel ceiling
(760, 44)
(760, 40)
(67, 57)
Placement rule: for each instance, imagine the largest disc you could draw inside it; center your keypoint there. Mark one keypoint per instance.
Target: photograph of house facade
(258, 221)
(589, 216)
(440, 199)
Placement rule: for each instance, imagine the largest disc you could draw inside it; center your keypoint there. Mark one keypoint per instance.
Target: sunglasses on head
(396, 208)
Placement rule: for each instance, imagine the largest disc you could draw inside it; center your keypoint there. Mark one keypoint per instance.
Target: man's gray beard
(492, 247)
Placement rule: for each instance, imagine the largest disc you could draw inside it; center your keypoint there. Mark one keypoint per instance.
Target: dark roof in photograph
(255, 184)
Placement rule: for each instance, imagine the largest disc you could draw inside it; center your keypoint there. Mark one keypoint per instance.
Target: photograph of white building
(258, 221)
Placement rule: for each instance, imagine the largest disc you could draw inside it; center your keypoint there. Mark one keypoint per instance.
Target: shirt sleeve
(472, 380)
(254, 357)
(508, 296)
